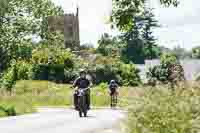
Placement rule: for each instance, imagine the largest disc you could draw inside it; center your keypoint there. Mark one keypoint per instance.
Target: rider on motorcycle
(82, 82)
(113, 86)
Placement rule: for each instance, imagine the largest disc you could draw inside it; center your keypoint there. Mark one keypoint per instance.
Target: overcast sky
(180, 26)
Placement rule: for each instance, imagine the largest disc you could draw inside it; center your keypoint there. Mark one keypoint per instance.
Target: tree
(124, 12)
(140, 40)
(109, 46)
(151, 50)
(130, 17)
(21, 19)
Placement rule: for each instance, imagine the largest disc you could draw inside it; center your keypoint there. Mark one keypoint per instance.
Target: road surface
(61, 121)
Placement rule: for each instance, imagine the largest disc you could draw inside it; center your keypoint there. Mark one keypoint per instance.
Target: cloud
(180, 25)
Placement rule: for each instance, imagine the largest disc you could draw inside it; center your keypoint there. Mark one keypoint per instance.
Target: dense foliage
(137, 22)
(110, 46)
(104, 69)
(20, 21)
(169, 71)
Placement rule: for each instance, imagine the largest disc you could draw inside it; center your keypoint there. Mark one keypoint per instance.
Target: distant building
(69, 26)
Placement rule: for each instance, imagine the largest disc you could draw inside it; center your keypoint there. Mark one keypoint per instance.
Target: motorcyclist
(82, 82)
(113, 86)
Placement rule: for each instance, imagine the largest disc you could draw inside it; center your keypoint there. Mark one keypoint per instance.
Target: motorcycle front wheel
(82, 106)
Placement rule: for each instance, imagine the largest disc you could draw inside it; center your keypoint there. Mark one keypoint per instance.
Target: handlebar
(84, 89)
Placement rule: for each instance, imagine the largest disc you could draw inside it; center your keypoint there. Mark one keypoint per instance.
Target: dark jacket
(81, 83)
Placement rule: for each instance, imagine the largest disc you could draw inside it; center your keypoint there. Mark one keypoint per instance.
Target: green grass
(29, 94)
(43, 93)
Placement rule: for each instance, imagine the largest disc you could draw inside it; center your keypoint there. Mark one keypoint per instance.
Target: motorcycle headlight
(81, 91)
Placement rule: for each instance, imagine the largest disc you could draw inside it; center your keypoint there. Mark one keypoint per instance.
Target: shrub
(53, 56)
(157, 73)
(168, 59)
(169, 71)
(9, 77)
(53, 64)
(20, 70)
(24, 70)
(104, 73)
(129, 75)
(105, 69)
(102, 87)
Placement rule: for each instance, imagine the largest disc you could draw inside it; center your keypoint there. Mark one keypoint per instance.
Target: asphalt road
(61, 121)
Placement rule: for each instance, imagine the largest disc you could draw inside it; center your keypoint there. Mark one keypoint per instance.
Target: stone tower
(71, 30)
(69, 26)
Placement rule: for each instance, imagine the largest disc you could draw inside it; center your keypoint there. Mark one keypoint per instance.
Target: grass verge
(159, 110)
(29, 94)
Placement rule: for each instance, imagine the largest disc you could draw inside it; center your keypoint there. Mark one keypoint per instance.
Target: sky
(179, 26)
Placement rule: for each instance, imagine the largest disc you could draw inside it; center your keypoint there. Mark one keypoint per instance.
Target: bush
(105, 69)
(104, 73)
(20, 70)
(169, 71)
(59, 67)
(9, 77)
(53, 64)
(53, 56)
(24, 70)
(157, 73)
(129, 75)
(160, 111)
(168, 59)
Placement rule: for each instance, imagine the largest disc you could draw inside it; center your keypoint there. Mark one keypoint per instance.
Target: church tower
(71, 30)
(67, 25)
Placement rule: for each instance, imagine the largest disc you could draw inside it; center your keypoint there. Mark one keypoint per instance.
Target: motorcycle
(82, 104)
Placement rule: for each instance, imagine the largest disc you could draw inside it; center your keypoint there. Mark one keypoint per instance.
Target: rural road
(61, 121)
